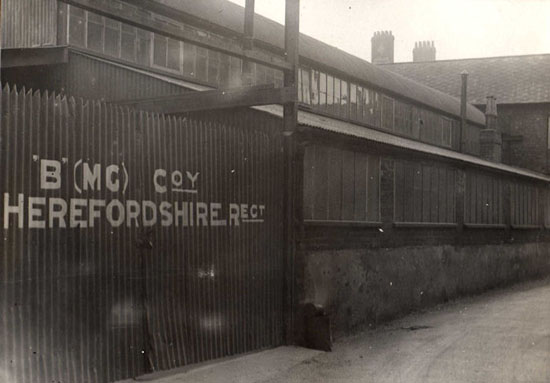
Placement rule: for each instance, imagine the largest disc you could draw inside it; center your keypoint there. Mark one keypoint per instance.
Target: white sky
(459, 28)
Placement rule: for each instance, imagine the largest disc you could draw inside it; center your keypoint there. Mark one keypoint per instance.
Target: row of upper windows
(116, 39)
(332, 95)
(319, 90)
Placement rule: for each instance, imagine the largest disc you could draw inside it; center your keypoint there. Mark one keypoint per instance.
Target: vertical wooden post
(463, 109)
(248, 42)
(507, 206)
(387, 198)
(290, 120)
(460, 194)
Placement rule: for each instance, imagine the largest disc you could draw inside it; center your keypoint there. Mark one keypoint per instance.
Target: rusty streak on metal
(215, 99)
(210, 42)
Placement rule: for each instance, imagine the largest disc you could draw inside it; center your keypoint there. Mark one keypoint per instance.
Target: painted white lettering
(181, 212)
(191, 214)
(35, 214)
(132, 212)
(50, 174)
(214, 211)
(244, 211)
(93, 213)
(234, 214)
(92, 178)
(111, 182)
(166, 214)
(75, 216)
(58, 214)
(109, 212)
(149, 213)
(17, 209)
(192, 178)
(177, 179)
(158, 187)
(254, 211)
(262, 208)
(202, 214)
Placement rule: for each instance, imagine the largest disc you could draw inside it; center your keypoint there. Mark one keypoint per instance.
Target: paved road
(501, 336)
(498, 337)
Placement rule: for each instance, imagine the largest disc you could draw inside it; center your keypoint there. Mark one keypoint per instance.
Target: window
(225, 70)
(341, 185)
(201, 63)
(344, 100)
(353, 101)
(371, 107)
(306, 91)
(446, 132)
(424, 193)
(189, 54)
(269, 76)
(128, 43)
(213, 67)
(330, 94)
(360, 104)
(323, 89)
(337, 97)
(166, 52)
(77, 26)
(94, 34)
(143, 47)
(112, 38)
(314, 87)
(387, 113)
(236, 70)
(279, 79)
(483, 199)
(403, 118)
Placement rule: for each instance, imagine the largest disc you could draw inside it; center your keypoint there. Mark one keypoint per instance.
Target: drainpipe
(463, 105)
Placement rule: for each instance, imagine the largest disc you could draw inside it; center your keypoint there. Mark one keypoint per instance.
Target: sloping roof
(342, 127)
(231, 17)
(511, 79)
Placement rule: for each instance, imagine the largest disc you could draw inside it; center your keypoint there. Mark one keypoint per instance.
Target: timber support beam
(215, 99)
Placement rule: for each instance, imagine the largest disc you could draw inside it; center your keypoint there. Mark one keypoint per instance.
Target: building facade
(520, 85)
(136, 241)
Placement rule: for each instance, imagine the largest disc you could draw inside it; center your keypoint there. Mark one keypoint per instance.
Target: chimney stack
(424, 51)
(490, 138)
(382, 47)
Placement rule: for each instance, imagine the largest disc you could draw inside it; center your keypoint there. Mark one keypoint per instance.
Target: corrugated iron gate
(133, 242)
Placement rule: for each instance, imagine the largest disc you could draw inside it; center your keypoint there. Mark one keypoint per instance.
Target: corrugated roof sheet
(512, 79)
(231, 17)
(342, 127)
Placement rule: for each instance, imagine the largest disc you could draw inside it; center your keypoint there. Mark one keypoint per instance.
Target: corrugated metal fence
(133, 242)
(28, 23)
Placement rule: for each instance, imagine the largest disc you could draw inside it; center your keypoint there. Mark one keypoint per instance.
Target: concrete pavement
(501, 336)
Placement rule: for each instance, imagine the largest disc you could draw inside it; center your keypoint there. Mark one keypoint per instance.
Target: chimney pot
(382, 47)
(424, 51)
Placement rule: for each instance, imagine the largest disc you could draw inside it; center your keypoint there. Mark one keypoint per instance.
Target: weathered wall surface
(529, 121)
(363, 287)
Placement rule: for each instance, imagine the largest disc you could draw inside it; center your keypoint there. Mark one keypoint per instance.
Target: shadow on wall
(362, 288)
